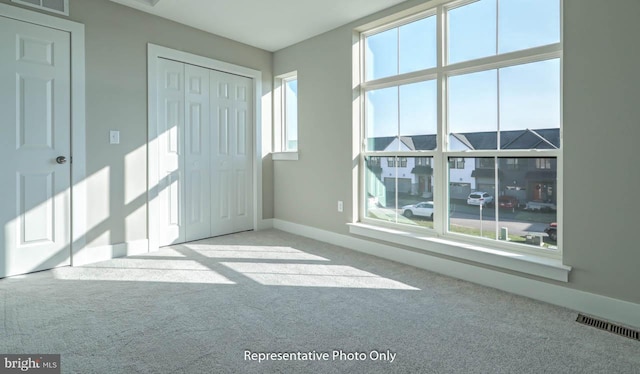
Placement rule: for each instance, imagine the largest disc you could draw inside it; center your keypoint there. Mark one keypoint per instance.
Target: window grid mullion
(497, 26)
(439, 161)
(398, 117)
(398, 50)
(496, 204)
(396, 159)
(498, 144)
(498, 122)
(395, 164)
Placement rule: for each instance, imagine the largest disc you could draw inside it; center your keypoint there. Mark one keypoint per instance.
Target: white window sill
(539, 266)
(284, 156)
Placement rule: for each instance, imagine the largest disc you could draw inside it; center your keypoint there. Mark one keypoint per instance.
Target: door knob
(61, 159)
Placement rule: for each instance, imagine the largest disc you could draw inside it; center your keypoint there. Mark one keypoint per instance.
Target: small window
(55, 6)
(456, 163)
(422, 161)
(543, 163)
(512, 163)
(391, 162)
(286, 134)
(486, 163)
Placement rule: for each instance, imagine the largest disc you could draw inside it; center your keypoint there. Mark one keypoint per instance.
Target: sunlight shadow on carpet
(146, 274)
(256, 252)
(303, 275)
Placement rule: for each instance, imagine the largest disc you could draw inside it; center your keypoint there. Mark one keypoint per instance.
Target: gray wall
(601, 131)
(602, 134)
(116, 96)
(307, 190)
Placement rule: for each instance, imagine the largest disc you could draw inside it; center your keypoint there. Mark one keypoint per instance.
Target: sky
(517, 97)
(291, 112)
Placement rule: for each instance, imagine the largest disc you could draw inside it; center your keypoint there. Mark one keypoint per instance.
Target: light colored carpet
(197, 307)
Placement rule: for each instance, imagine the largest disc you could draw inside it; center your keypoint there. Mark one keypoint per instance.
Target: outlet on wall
(114, 137)
(340, 206)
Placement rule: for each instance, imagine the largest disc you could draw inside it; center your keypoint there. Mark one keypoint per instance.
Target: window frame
(280, 134)
(442, 153)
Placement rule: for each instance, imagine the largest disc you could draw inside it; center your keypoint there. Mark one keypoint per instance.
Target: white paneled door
(231, 153)
(170, 133)
(35, 171)
(205, 142)
(197, 164)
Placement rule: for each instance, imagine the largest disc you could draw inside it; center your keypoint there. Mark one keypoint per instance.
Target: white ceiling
(266, 24)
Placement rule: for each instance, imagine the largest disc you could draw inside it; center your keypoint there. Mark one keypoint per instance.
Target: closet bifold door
(205, 142)
(232, 155)
(197, 166)
(171, 93)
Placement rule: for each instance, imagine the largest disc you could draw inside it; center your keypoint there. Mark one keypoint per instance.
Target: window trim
(441, 154)
(527, 263)
(281, 151)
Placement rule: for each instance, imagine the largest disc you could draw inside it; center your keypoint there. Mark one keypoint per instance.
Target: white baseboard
(611, 309)
(90, 255)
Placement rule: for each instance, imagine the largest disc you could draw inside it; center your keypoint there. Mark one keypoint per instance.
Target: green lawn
(490, 234)
(517, 215)
(539, 217)
(390, 216)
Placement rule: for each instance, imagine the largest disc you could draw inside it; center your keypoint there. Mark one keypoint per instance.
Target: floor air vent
(608, 326)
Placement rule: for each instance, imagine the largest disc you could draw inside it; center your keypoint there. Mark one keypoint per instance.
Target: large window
(455, 99)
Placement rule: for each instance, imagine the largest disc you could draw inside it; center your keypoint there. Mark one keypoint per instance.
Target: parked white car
(480, 198)
(423, 209)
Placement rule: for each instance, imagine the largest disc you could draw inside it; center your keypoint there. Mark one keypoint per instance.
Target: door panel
(223, 131)
(223, 190)
(231, 157)
(35, 121)
(196, 162)
(241, 135)
(35, 196)
(170, 137)
(173, 196)
(242, 203)
(35, 231)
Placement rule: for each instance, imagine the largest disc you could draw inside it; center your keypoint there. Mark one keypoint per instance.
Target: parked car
(480, 198)
(507, 202)
(540, 206)
(423, 209)
(552, 231)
